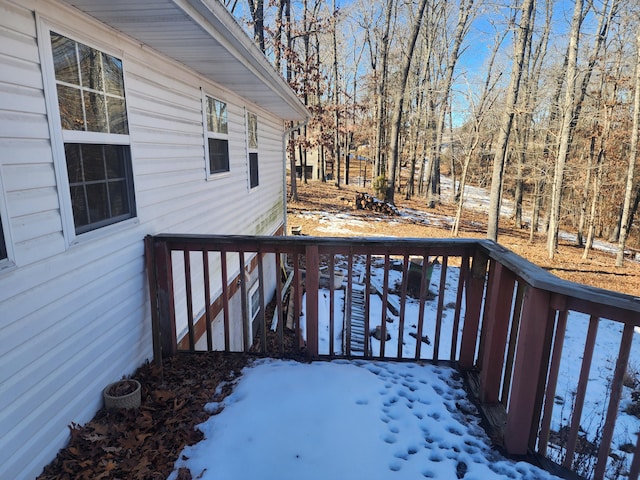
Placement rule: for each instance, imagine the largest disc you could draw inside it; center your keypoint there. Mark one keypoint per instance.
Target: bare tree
(507, 117)
(399, 103)
(633, 154)
(256, 8)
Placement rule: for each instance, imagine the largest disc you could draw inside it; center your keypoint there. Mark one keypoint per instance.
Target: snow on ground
(601, 373)
(359, 420)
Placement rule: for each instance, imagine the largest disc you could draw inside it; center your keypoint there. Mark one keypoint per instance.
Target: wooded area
(537, 100)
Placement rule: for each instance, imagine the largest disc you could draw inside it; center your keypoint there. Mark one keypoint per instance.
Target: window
(217, 135)
(254, 300)
(252, 141)
(3, 245)
(95, 131)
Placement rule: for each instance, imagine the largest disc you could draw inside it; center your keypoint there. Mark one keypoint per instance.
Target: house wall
(74, 312)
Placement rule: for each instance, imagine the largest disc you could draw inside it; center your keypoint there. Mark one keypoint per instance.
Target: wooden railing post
(164, 297)
(495, 328)
(474, 292)
(311, 286)
(525, 388)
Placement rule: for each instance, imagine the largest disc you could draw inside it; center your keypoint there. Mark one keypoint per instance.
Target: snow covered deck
(528, 338)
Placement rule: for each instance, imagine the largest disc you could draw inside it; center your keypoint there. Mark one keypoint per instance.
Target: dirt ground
(598, 270)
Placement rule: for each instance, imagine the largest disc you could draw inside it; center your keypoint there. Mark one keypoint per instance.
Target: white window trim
(208, 135)
(252, 291)
(6, 264)
(250, 150)
(59, 137)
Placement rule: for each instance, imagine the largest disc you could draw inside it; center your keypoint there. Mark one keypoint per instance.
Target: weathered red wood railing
(508, 324)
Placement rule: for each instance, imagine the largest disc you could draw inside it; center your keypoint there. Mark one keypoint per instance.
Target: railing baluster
(152, 280)
(497, 314)
(542, 377)
(442, 288)
(207, 299)
(332, 302)
(297, 298)
(614, 400)
(511, 349)
(464, 267)
(403, 302)
(246, 321)
(484, 326)
(367, 306)
(263, 315)
(312, 286)
(187, 278)
(424, 288)
(279, 307)
(348, 304)
(634, 470)
(474, 292)
(225, 298)
(558, 343)
(581, 391)
(521, 412)
(383, 320)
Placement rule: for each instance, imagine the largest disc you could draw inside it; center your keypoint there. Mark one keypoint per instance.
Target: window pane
(97, 200)
(118, 198)
(217, 116)
(218, 155)
(253, 170)
(252, 124)
(114, 157)
(101, 184)
(95, 110)
(74, 162)
(114, 83)
(79, 205)
(64, 59)
(117, 116)
(93, 163)
(70, 104)
(90, 68)
(3, 246)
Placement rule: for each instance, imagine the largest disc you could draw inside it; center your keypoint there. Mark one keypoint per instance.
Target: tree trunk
(399, 103)
(633, 154)
(256, 8)
(565, 128)
(381, 120)
(507, 119)
(336, 97)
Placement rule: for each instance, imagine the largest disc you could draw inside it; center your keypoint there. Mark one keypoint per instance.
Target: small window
(95, 131)
(252, 142)
(3, 245)
(254, 300)
(217, 135)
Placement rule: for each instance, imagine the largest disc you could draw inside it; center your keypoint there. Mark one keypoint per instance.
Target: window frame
(59, 136)
(252, 151)
(7, 262)
(208, 134)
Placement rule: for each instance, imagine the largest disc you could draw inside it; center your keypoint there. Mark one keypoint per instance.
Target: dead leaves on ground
(144, 443)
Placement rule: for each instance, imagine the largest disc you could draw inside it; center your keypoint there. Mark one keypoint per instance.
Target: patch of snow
(358, 419)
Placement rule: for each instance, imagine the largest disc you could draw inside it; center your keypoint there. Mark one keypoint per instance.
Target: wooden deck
(509, 317)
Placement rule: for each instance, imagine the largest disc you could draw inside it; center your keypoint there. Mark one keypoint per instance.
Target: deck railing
(504, 323)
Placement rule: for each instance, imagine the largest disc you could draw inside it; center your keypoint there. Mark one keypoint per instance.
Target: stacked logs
(364, 201)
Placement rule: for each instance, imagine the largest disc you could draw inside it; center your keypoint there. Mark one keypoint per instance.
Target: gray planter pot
(129, 400)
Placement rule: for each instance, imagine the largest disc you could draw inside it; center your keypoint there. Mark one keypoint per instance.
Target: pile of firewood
(364, 201)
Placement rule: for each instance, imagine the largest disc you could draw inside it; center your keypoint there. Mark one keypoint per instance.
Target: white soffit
(205, 37)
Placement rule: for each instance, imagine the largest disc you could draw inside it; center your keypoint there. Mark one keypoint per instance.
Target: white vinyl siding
(76, 316)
